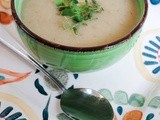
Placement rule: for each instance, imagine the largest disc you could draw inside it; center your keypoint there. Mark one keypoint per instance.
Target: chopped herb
(78, 11)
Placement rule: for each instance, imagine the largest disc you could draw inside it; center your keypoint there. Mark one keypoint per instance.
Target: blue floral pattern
(155, 2)
(152, 55)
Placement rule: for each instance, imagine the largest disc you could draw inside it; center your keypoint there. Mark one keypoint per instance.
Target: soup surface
(117, 19)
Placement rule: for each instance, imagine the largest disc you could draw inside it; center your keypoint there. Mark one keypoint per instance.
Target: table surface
(131, 85)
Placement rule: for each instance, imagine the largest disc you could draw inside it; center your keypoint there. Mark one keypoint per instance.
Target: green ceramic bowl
(78, 59)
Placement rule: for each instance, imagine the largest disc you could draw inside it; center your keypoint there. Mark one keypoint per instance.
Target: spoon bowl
(86, 104)
(80, 103)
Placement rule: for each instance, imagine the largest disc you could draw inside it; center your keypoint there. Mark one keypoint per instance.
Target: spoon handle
(12, 44)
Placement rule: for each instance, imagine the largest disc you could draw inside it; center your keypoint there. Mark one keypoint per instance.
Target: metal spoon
(81, 103)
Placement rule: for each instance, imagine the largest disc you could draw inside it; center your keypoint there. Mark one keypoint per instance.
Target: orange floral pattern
(16, 76)
(5, 4)
(133, 115)
(5, 18)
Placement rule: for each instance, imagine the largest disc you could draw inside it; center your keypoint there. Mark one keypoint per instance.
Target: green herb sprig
(78, 11)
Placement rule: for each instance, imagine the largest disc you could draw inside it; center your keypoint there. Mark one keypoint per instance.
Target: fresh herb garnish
(78, 11)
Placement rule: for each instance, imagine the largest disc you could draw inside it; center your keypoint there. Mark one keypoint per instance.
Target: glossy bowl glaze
(78, 59)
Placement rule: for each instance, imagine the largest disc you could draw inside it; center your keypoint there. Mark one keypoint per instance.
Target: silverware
(81, 103)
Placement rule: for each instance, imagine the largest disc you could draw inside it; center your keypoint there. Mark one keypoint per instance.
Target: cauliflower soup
(116, 20)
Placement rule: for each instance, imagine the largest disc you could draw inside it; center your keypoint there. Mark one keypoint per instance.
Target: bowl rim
(78, 49)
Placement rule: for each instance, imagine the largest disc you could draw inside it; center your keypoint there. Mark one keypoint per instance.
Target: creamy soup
(117, 19)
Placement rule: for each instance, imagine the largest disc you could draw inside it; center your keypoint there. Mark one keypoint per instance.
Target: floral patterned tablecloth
(132, 85)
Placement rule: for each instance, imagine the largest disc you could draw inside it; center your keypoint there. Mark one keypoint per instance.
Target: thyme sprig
(78, 11)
